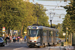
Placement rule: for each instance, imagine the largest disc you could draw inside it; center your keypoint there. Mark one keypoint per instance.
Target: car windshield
(1, 39)
(33, 33)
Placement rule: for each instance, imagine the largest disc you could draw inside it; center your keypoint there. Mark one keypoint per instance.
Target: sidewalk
(69, 48)
(67, 44)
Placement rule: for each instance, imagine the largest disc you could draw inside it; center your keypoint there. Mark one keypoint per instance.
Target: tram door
(41, 38)
(50, 37)
(54, 37)
(45, 37)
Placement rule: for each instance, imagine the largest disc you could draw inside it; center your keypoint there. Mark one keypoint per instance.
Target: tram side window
(44, 33)
(51, 33)
(56, 33)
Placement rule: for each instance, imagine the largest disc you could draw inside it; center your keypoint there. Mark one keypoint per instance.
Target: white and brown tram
(41, 36)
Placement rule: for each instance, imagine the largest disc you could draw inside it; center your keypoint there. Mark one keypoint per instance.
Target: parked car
(2, 42)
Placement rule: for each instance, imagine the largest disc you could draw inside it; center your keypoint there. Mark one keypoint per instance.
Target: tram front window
(33, 33)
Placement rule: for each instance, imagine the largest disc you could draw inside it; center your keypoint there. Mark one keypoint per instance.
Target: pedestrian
(18, 38)
(21, 39)
(25, 38)
(10, 38)
(14, 39)
(7, 39)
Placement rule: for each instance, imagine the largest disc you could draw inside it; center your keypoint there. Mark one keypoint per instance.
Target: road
(12, 46)
(23, 46)
(19, 46)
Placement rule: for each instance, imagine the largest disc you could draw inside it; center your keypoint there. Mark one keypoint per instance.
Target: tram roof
(41, 27)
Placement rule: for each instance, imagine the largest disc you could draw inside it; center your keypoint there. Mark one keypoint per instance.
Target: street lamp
(51, 17)
(64, 34)
(25, 32)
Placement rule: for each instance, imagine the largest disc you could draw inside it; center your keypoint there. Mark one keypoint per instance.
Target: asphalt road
(23, 46)
(12, 46)
(19, 46)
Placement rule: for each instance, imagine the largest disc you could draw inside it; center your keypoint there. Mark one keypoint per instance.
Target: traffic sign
(3, 29)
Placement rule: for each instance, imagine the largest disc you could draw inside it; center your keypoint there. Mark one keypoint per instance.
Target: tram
(41, 36)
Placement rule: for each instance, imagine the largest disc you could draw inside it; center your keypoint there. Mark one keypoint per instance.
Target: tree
(30, 18)
(39, 12)
(67, 23)
(18, 14)
(69, 20)
(8, 16)
(60, 30)
(15, 16)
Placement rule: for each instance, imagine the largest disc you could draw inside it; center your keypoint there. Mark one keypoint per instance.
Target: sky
(58, 13)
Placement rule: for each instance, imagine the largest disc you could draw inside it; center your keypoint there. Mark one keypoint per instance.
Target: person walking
(7, 39)
(25, 38)
(21, 39)
(11, 39)
(14, 39)
(18, 39)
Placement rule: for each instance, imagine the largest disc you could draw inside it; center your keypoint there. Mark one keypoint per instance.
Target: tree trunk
(69, 38)
(21, 30)
(73, 39)
(8, 31)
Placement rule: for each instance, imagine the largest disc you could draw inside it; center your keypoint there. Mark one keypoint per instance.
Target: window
(45, 33)
(50, 33)
(33, 33)
(56, 33)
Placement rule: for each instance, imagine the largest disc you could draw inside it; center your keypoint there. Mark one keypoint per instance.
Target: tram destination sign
(33, 27)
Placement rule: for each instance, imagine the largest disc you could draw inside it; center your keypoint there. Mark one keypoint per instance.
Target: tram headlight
(36, 27)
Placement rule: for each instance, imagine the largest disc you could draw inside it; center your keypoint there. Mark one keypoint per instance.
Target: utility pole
(51, 18)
